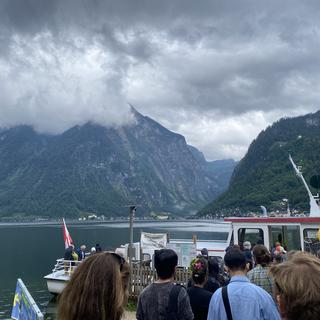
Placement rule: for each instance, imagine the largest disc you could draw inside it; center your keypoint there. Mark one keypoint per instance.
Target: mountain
(218, 170)
(221, 170)
(95, 169)
(265, 175)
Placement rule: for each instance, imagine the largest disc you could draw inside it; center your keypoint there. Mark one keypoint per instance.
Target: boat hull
(57, 281)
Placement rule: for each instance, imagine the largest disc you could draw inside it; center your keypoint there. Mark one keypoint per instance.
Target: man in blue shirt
(247, 301)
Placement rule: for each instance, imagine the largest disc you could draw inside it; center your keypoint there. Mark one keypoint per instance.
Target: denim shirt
(247, 301)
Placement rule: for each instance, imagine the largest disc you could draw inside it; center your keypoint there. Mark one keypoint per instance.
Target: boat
(294, 233)
(60, 275)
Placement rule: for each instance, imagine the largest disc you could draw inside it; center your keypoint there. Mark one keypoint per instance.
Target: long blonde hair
(297, 286)
(98, 289)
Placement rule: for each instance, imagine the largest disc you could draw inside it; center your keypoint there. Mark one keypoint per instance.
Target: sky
(216, 71)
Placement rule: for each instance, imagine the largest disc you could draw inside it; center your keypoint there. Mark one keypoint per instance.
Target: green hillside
(265, 175)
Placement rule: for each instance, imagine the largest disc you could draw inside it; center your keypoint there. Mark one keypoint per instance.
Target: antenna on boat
(314, 208)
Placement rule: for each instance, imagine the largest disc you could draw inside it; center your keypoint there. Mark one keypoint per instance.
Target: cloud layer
(216, 72)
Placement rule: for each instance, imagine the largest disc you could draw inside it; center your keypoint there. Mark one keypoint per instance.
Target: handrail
(67, 265)
(62, 264)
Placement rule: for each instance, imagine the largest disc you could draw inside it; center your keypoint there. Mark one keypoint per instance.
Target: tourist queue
(253, 284)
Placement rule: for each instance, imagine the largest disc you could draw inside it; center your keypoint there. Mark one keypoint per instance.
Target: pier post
(132, 212)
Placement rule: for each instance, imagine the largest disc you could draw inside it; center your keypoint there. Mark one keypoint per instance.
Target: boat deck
(61, 275)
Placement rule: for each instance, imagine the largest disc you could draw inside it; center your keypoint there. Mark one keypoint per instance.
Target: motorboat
(60, 275)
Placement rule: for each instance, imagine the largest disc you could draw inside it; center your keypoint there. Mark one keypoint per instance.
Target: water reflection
(50, 309)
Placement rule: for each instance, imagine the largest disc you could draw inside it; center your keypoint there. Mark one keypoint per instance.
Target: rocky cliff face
(93, 169)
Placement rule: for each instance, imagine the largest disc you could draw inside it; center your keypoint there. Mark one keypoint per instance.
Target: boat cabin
(294, 233)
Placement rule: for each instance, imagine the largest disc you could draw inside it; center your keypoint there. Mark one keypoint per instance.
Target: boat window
(287, 236)
(275, 235)
(254, 235)
(310, 240)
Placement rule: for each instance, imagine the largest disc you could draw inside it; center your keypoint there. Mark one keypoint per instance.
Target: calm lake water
(29, 251)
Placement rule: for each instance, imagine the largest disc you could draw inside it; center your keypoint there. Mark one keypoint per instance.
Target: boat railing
(181, 241)
(67, 265)
(215, 241)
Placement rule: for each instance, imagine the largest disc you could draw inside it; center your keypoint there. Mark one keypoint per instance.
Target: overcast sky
(216, 71)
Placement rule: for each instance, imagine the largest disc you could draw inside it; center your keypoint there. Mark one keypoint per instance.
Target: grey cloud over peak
(217, 72)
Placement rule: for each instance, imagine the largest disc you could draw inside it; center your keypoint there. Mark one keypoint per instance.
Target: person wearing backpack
(240, 299)
(163, 299)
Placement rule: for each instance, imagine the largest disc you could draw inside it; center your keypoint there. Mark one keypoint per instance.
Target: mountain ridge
(96, 169)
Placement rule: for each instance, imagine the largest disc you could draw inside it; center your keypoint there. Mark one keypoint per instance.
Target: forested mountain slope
(266, 177)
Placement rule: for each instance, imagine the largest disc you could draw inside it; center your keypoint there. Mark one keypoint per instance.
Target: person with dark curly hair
(199, 297)
(297, 287)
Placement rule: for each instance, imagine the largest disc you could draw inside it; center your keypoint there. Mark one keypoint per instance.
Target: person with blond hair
(297, 287)
(98, 289)
(81, 252)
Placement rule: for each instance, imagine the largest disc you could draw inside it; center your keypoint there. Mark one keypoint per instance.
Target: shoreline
(77, 222)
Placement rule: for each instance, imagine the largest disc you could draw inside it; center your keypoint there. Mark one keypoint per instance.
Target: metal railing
(68, 266)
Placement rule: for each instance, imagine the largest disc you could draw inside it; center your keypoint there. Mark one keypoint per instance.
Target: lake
(29, 251)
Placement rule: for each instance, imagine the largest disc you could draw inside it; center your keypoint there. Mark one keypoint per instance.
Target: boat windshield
(254, 235)
(310, 240)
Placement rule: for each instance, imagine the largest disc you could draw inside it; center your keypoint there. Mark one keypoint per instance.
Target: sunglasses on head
(120, 259)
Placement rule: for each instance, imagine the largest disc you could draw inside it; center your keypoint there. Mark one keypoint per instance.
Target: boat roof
(270, 220)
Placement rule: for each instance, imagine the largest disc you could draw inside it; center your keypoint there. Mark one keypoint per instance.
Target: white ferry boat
(294, 233)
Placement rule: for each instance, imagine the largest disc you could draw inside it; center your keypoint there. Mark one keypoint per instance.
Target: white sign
(149, 242)
(312, 234)
(185, 251)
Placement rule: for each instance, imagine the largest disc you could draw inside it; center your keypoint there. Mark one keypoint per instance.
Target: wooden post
(132, 212)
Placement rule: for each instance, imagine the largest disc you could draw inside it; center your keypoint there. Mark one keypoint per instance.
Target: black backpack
(172, 310)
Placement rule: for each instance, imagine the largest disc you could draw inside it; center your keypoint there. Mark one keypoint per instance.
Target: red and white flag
(66, 236)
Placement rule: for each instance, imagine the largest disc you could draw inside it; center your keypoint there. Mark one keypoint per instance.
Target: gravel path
(129, 315)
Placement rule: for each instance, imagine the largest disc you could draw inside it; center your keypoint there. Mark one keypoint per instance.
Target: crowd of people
(73, 254)
(251, 283)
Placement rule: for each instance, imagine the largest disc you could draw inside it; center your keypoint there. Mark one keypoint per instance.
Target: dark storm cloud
(216, 71)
